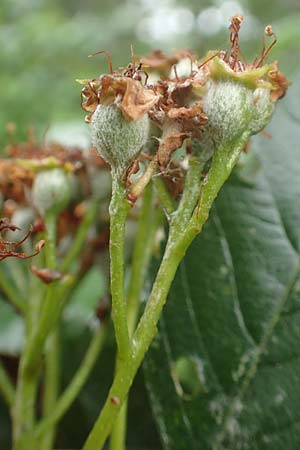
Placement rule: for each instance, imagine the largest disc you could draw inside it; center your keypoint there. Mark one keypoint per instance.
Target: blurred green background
(44, 46)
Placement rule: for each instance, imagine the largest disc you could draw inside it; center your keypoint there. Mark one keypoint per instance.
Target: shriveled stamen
(175, 72)
(234, 28)
(269, 33)
(132, 56)
(108, 55)
(209, 59)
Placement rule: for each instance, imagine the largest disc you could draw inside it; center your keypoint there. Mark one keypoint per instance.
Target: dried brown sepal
(5, 226)
(38, 226)
(132, 169)
(193, 113)
(103, 309)
(173, 178)
(35, 151)
(89, 97)
(179, 113)
(47, 276)
(279, 81)
(168, 146)
(159, 62)
(10, 249)
(14, 179)
(135, 100)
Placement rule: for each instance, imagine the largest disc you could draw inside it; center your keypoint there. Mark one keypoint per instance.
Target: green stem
(80, 238)
(51, 308)
(179, 240)
(51, 385)
(148, 222)
(117, 440)
(6, 387)
(24, 413)
(163, 195)
(79, 379)
(117, 394)
(224, 161)
(118, 210)
(190, 196)
(36, 291)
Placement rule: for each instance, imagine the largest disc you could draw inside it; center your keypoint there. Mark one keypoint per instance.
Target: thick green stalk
(51, 385)
(148, 222)
(190, 196)
(163, 195)
(6, 387)
(118, 210)
(117, 394)
(79, 379)
(24, 412)
(179, 240)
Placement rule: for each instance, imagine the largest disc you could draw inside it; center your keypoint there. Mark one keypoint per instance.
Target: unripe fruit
(262, 111)
(233, 108)
(51, 191)
(118, 140)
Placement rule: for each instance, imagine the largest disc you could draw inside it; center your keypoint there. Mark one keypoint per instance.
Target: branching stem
(179, 240)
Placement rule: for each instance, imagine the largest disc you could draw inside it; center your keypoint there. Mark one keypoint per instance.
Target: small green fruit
(51, 191)
(263, 108)
(118, 140)
(228, 107)
(233, 108)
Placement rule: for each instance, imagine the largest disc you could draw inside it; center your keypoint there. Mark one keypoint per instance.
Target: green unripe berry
(263, 108)
(51, 191)
(233, 108)
(118, 140)
(228, 107)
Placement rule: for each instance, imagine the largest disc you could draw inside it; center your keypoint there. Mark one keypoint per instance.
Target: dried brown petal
(9, 248)
(104, 308)
(158, 61)
(47, 275)
(279, 81)
(186, 113)
(137, 100)
(168, 146)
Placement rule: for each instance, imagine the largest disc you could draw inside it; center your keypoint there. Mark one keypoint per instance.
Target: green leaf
(223, 372)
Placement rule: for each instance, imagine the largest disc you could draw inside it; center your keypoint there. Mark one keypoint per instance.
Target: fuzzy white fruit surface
(51, 191)
(233, 108)
(117, 140)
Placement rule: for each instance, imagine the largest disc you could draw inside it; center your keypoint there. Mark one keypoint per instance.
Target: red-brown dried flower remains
(10, 249)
